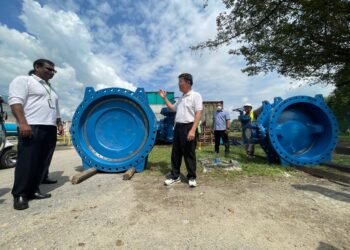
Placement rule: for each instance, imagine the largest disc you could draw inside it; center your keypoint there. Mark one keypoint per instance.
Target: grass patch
(344, 139)
(159, 163)
(341, 159)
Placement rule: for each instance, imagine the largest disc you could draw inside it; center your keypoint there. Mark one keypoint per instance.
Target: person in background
(221, 127)
(188, 110)
(34, 103)
(246, 118)
(199, 131)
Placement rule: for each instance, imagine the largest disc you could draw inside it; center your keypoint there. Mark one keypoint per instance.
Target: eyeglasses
(51, 69)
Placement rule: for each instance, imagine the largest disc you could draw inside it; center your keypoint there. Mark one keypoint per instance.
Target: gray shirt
(219, 120)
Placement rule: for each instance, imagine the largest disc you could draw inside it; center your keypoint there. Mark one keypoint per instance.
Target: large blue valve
(166, 126)
(114, 129)
(300, 130)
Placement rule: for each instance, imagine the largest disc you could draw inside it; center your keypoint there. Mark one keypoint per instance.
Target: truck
(8, 153)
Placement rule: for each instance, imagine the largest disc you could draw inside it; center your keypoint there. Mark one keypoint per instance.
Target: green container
(154, 98)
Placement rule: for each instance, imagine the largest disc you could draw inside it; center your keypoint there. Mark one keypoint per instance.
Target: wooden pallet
(206, 138)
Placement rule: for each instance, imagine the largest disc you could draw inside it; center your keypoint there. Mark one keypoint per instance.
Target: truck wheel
(8, 159)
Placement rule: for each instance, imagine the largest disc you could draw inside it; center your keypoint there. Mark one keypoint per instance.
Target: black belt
(183, 124)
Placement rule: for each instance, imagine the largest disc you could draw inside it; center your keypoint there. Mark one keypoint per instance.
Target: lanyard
(47, 90)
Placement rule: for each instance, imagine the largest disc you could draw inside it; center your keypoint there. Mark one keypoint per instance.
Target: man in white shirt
(188, 114)
(35, 105)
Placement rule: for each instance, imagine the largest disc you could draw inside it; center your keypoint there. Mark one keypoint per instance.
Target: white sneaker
(192, 183)
(171, 181)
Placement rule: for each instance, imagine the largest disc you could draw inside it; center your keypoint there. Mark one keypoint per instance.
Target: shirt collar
(39, 79)
(188, 93)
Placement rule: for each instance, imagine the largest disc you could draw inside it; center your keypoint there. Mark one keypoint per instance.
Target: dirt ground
(105, 212)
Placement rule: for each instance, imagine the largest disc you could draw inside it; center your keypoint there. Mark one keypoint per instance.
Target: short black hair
(187, 77)
(40, 63)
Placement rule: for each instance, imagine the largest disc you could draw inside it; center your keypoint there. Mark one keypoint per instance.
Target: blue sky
(130, 44)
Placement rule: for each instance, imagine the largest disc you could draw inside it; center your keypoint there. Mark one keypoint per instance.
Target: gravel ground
(105, 212)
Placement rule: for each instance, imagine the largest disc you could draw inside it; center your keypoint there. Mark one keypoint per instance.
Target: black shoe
(38, 196)
(48, 181)
(20, 203)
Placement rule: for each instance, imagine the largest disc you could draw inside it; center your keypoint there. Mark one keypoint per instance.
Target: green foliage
(236, 125)
(297, 38)
(339, 102)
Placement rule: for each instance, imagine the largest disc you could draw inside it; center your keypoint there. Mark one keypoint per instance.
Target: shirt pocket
(189, 103)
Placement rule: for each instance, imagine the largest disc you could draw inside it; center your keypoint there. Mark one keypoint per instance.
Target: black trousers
(183, 148)
(218, 134)
(34, 158)
(249, 149)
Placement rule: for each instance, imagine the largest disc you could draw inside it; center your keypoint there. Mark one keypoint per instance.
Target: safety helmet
(248, 105)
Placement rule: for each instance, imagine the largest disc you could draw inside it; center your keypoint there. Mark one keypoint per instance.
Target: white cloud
(105, 8)
(128, 44)
(62, 37)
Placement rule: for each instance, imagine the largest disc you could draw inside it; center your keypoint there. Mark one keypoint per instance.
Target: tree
(301, 39)
(339, 102)
(236, 125)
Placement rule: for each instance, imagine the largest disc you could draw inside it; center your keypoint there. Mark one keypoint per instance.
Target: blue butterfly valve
(114, 129)
(299, 130)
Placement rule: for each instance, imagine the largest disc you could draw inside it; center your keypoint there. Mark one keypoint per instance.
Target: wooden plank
(129, 173)
(78, 178)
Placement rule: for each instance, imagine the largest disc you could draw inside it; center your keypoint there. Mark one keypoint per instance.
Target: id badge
(51, 105)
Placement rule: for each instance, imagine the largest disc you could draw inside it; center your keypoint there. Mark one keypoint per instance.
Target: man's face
(46, 72)
(184, 86)
(247, 109)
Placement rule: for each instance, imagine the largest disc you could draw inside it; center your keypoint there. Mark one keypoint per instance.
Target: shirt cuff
(15, 100)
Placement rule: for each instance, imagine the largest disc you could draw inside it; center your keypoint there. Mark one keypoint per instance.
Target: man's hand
(60, 129)
(25, 130)
(162, 93)
(191, 135)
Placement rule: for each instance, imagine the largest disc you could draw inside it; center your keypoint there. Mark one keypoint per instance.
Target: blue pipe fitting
(114, 129)
(300, 130)
(166, 126)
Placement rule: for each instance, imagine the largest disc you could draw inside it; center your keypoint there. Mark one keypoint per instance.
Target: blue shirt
(219, 120)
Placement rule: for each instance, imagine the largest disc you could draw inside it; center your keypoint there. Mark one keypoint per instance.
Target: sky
(130, 44)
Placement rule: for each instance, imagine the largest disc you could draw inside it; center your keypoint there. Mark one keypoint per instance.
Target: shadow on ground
(325, 246)
(340, 196)
(339, 177)
(79, 168)
(61, 180)
(162, 166)
(4, 191)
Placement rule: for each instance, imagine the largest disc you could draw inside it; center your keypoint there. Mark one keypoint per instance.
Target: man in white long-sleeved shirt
(34, 103)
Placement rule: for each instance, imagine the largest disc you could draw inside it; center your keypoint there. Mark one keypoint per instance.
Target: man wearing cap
(188, 110)
(221, 126)
(246, 118)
